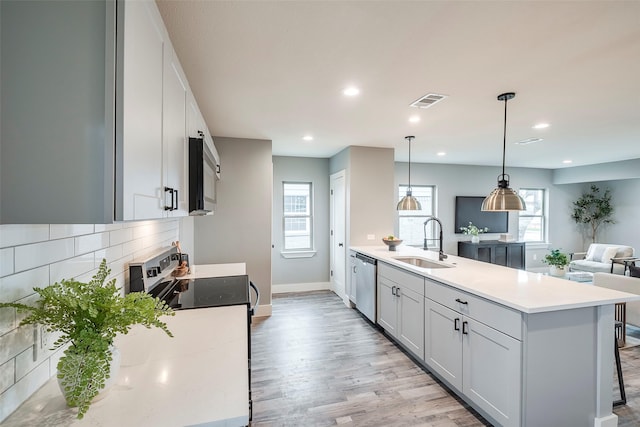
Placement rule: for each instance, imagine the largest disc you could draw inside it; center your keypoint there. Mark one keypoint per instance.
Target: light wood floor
(318, 363)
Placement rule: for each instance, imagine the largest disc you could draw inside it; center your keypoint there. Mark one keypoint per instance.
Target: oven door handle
(253, 309)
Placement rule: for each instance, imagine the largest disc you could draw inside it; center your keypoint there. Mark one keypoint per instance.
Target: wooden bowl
(392, 243)
(180, 271)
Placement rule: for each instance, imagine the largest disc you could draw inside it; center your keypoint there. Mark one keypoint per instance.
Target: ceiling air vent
(428, 100)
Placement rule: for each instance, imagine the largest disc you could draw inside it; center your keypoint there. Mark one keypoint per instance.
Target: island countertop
(518, 289)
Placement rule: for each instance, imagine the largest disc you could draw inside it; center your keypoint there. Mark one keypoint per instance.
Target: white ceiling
(276, 70)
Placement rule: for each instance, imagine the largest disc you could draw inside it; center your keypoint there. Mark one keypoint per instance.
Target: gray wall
(627, 169)
(240, 228)
(302, 270)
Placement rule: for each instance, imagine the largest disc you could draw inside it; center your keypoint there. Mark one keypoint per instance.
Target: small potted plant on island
(474, 232)
(557, 262)
(89, 316)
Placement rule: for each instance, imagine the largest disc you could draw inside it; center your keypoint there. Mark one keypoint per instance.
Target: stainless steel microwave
(202, 178)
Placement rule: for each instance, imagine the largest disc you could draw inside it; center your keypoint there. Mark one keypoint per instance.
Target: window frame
(402, 190)
(543, 215)
(307, 215)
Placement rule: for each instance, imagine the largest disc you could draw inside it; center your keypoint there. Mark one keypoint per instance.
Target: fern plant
(89, 316)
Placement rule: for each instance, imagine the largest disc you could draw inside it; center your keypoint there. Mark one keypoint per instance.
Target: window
(532, 222)
(411, 223)
(297, 216)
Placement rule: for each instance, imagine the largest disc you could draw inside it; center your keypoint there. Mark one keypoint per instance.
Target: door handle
(170, 191)
(175, 208)
(340, 245)
(456, 324)
(465, 328)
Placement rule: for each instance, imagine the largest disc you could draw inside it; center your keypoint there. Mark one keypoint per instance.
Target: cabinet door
(175, 149)
(411, 320)
(443, 342)
(142, 112)
(387, 306)
(492, 371)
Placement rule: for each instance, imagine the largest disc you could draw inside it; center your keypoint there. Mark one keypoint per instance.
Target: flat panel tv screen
(469, 209)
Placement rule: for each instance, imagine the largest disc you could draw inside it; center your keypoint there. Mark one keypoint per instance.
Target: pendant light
(408, 202)
(504, 198)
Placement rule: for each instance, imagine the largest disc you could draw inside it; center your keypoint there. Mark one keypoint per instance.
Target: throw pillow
(634, 271)
(608, 254)
(595, 252)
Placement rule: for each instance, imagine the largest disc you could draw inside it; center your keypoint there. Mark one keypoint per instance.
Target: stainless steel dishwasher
(366, 286)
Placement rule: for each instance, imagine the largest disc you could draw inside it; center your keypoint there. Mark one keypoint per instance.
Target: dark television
(469, 209)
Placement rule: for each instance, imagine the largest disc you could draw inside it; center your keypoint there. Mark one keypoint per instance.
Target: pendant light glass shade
(503, 198)
(408, 202)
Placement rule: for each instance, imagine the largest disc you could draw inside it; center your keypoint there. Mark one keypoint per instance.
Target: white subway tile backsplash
(15, 342)
(91, 243)
(110, 253)
(132, 248)
(7, 319)
(6, 261)
(18, 234)
(18, 286)
(121, 236)
(21, 390)
(99, 228)
(60, 231)
(37, 254)
(71, 268)
(7, 375)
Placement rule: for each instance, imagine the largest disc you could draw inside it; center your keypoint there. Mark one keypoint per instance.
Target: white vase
(475, 239)
(556, 271)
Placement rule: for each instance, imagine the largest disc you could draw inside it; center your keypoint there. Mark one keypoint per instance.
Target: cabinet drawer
(402, 278)
(495, 315)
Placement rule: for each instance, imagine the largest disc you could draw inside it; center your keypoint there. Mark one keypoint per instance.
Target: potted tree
(88, 316)
(557, 262)
(592, 210)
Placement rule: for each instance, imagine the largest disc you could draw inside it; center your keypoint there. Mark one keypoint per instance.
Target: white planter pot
(556, 271)
(475, 239)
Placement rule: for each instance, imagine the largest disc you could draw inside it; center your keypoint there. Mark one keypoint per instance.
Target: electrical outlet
(45, 337)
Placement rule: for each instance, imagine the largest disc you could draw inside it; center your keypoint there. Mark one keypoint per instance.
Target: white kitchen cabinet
(401, 307)
(175, 142)
(143, 47)
(482, 362)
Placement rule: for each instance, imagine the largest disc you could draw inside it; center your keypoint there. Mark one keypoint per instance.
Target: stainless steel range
(154, 275)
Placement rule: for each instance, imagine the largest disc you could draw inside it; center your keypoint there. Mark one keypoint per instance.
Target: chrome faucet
(441, 255)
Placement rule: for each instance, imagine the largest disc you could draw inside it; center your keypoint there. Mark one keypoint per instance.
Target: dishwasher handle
(365, 258)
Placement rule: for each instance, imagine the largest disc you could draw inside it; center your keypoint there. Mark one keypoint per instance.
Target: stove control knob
(152, 272)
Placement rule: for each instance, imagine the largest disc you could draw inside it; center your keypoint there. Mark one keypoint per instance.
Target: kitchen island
(524, 349)
(194, 378)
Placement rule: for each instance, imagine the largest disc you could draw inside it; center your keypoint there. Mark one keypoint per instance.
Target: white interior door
(338, 235)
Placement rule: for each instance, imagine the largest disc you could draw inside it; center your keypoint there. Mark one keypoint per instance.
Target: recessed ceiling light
(541, 126)
(307, 138)
(351, 91)
(528, 141)
(414, 119)
(441, 153)
(566, 162)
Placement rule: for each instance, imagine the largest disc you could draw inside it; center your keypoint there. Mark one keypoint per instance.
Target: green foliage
(90, 315)
(592, 210)
(556, 258)
(473, 230)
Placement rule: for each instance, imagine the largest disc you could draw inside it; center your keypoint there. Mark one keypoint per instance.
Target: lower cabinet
(480, 362)
(401, 307)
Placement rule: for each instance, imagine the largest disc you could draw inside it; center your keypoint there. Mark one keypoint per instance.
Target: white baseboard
(263, 310)
(300, 287)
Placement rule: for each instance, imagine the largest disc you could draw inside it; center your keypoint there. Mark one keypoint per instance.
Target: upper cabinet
(96, 114)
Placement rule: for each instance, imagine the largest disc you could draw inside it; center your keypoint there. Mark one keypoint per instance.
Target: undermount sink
(422, 262)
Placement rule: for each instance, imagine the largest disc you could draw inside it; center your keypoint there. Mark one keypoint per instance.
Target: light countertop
(521, 290)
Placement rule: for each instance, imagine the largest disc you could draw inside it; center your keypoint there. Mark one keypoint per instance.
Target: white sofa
(599, 258)
(624, 284)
